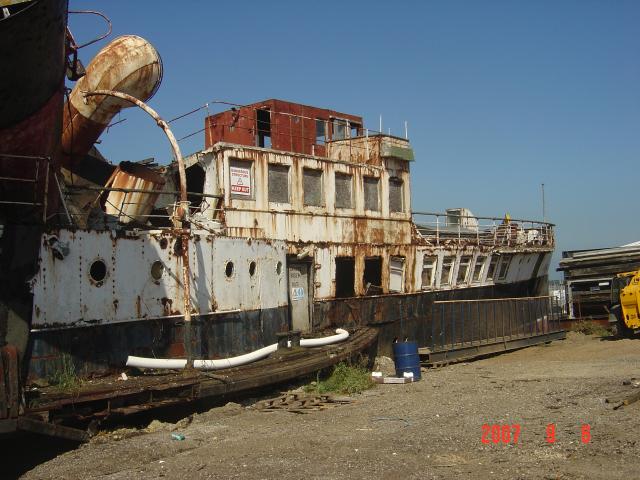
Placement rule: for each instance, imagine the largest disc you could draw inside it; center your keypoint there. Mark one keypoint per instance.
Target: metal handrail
(497, 232)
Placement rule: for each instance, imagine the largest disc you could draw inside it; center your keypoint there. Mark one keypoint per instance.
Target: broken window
(354, 130)
(396, 203)
(312, 186)
(339, 129)
(195, 183)
(372, 278)
(343, 190)
(371, 193)
(447, 270)
(505, 260)
(320, 131)
(345, 276)
(495, 258)
(477, 270)
(263, 128)
(463, 270)
(428, 271)
(241, 179)
(278, 183)
(396, 274)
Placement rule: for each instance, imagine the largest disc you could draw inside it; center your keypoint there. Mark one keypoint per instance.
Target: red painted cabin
(281, 125)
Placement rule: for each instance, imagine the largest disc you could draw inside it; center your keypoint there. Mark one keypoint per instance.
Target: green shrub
(345, 379)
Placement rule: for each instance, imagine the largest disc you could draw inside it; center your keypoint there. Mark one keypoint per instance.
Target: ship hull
(102, 349)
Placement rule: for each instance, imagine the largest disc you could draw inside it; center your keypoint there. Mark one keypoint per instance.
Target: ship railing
(37, 184)
(462, 324)
(127, 210)
(450, 229)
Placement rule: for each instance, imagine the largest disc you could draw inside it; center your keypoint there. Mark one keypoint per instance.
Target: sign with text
(240, 181)
(297, 293)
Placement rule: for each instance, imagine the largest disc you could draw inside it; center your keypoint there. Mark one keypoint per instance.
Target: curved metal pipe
(177, 364)
(180, 212)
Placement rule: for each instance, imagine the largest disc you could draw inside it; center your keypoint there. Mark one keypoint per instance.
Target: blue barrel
(407, 359)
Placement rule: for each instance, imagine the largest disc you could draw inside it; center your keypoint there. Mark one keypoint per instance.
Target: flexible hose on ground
(177, 363)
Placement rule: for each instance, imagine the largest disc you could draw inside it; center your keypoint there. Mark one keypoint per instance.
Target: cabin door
(300, 295)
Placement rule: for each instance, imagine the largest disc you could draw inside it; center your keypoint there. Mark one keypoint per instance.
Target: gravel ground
(429, 430)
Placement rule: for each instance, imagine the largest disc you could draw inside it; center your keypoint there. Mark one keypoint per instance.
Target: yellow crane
(624, 316)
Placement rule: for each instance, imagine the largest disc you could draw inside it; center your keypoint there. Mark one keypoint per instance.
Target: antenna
(406, 130)
(380, 123)
(544, 209)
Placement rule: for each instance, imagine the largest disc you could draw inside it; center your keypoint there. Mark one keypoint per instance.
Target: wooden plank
(52, 430)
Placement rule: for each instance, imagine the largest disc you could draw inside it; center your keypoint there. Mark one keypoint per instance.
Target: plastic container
(405, 355)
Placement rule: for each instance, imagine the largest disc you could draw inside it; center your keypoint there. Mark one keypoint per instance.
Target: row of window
(497, 268)
(242, 187)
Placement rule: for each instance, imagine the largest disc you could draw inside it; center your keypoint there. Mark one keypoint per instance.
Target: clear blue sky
(500, 96)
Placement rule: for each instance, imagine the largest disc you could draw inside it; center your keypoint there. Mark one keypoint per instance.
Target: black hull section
(101, 349)
(416, 316)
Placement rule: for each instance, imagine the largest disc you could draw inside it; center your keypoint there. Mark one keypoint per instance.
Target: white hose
(177, 364)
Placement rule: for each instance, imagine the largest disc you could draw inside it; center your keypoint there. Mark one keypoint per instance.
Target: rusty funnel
(129, 64)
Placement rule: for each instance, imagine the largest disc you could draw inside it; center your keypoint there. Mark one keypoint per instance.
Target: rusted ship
(292, 218)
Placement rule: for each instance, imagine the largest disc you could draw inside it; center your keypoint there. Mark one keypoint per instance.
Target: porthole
(279, 268)
(252, 268)
(228, 269)
(157, 269)
(98, 271)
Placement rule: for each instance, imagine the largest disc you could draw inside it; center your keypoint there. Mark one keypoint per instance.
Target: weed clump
(344, 379)
(589, 327)
(65, 378)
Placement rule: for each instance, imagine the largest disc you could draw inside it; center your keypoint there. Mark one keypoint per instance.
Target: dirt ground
(431, 429)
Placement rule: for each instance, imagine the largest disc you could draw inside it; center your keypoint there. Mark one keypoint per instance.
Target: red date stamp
(500, 433)
(510, 433)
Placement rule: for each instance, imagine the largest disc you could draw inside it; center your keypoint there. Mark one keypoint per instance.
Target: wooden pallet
(301, 403)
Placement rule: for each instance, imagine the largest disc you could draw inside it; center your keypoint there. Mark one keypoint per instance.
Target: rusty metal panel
(202, 265)
(292, 125)
(97, 277)
(242, 289)
(133, 206)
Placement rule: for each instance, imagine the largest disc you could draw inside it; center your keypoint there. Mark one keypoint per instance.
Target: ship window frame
(263, 128)
(346, 179)
(449, 261)
(493, 266)
(345, 278)
(372, 276)
(429, 263)
(480, 261)
(321, 131)
(278, 167)
(396, 189)
(367, 181)
(465, 262)
(503, 267)
(309, 174)
(339, 128)
(402, 269)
